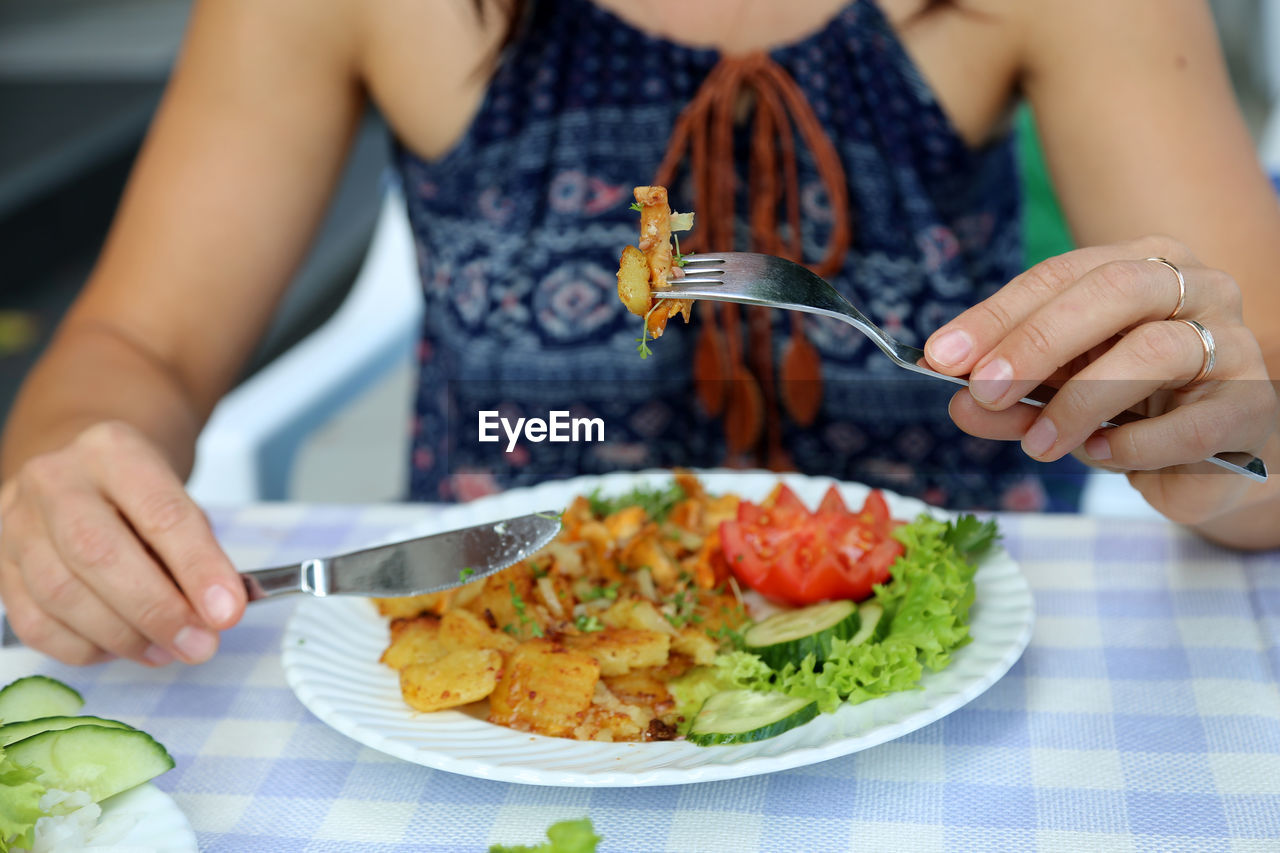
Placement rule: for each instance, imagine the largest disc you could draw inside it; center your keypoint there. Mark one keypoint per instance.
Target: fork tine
(703, 259)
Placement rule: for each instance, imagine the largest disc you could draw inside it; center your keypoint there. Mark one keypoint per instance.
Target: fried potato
(646, 551)
(501, 595)
(695, 644)
(638, 613)
(625, 523)
(544, 688)
(462, 629)
(414, 640)
(643, 688)
(609, 719)
(458, 678)
(655, 232)
(633, 281)
(669, 308)
(620, 650)
(409, 606)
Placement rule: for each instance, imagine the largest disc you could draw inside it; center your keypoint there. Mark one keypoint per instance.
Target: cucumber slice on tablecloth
(13, 732)
(98, 760)
(37, 696)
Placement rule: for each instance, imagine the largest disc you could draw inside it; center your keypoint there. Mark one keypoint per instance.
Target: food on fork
(655, 262)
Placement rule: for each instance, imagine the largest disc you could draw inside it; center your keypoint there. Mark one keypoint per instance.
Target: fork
(772, 282)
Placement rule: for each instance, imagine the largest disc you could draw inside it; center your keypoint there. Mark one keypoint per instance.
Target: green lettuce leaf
(20, 795)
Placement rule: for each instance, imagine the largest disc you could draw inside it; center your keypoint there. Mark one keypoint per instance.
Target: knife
(413, 567)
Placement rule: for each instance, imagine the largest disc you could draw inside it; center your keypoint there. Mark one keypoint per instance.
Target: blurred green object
(1044, 229)
(19, 331)
(567, 836)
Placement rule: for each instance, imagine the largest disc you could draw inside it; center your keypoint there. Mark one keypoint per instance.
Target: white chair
(247, 450)
(1269, 144)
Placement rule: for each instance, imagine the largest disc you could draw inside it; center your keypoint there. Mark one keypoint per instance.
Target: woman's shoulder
(426, 65)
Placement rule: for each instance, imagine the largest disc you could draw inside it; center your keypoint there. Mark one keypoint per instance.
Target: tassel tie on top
(740, 385)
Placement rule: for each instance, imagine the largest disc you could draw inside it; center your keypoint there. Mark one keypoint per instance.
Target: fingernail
(991, 380)
(219, 604)
(1098, 447)
(1039, 438)
(952, 348)
(157, 655)
(195, 644)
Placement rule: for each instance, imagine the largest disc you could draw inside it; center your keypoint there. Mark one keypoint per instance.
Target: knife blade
(411, 567)
(415, 566)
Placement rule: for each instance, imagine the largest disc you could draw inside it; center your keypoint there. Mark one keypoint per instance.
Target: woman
(515, 167)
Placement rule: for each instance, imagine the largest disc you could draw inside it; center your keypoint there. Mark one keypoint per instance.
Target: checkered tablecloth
(1145, 715)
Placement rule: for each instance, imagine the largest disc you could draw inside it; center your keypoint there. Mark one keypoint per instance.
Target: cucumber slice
(37, 696)
(788, 636)
(26, 728)
(873, 624)
(94, 759)
(745, 716)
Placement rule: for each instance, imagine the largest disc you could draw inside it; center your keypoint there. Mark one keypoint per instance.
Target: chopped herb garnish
(679, 258)
(598, 592)
(727, 636)
(588, 623)
(683, 603)
(465, 574)
(525, 619)
(657, 501)
(635, 205)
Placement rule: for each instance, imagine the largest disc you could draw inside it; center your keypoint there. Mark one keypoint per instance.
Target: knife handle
(308, 576)
(259, 584)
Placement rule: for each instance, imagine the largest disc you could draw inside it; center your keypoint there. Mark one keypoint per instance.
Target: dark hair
(514, 11)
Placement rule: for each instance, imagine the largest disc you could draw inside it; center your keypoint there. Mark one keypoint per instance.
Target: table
(1145, 715)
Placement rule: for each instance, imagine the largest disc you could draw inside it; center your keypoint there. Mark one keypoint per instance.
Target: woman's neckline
(800, 39)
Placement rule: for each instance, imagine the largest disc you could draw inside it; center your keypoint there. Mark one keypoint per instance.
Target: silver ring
(1182, 287)
(1210, 352)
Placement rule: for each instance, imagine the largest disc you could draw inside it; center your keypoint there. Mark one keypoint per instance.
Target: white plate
(331, 650)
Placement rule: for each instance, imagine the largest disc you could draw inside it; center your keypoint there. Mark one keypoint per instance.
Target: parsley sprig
(642, 342)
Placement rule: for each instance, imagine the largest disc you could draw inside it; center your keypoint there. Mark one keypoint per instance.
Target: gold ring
(1182, 287)
(1210, 352)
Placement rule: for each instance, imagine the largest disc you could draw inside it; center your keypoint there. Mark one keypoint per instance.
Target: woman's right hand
(103, 554)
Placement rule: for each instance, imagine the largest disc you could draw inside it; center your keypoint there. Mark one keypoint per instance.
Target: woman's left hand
(1111, 327)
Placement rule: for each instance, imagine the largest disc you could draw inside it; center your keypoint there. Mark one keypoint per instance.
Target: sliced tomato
(784, 501)
(875, 512)
(794, 556)
(832, 503)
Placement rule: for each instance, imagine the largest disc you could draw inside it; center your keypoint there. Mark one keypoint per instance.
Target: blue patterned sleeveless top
(519, 228)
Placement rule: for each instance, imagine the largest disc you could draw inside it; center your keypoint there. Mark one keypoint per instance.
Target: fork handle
(1238, 462)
